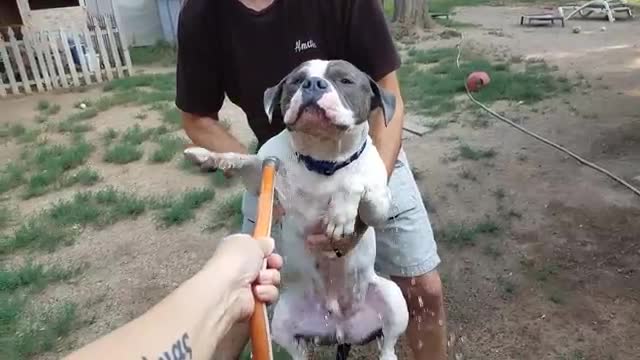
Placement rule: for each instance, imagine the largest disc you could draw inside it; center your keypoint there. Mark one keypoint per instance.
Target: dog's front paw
(340, 220)
(208, 160)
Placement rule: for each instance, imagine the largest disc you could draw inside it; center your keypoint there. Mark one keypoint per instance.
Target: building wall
(68, 17)
(100, 7)
(140, 20)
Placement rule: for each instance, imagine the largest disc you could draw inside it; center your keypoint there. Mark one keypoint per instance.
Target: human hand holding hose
(192, 321)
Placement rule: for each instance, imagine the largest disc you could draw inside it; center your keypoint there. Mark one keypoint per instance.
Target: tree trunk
(412, 14)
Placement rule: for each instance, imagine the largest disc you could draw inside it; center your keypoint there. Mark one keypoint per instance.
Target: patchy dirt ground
(560, 281)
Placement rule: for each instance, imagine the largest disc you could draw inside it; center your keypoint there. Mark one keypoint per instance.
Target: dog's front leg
(375, 205)
(249, 167)
(341, 216)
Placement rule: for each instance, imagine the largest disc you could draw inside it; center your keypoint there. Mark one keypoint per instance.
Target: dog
(329, 174)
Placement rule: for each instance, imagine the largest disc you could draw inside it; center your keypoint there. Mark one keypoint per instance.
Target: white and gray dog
(330, 172)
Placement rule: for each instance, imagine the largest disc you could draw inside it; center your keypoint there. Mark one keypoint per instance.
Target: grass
(128, 149)
(29, 136)
(52, 162)
(228, 213)
(17, 130)
(52, 110)
(123, 153)
(469, 153)
(109, 136)
(11, 177)
(73, 123)
(43, 105)
(85, 176)
(26, 334)
(431, 81)
(162, 53)
(172, 117)
(178, 210)
(460, 235)
(6, 216)
(30, 275)
(168, 147)
(59, 224)
(159, 82)
(36, 233)
(100, 208)
(25, 330)
(135, 135)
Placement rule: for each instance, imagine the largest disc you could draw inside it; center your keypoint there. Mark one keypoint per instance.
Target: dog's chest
(305, 194)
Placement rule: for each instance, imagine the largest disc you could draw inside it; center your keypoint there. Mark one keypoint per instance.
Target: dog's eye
(346, 81)
(297, 81)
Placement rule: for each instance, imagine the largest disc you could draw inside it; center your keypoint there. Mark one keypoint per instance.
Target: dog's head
(327, 97)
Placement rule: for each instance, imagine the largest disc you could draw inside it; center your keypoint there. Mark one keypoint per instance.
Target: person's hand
(242, 257)
(318, 241)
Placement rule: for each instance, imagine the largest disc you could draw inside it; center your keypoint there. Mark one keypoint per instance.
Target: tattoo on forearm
(180, 350)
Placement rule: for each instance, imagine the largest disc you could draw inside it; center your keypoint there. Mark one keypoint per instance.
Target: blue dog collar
(325, 167)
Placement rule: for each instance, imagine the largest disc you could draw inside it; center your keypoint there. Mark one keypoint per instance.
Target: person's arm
(191, 321)
(207, 132)
(388, 139)
(200, 90)
(188, 324)
(370, 47)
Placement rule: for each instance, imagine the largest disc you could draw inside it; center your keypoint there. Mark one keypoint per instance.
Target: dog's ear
(383, 99)
(272, 99)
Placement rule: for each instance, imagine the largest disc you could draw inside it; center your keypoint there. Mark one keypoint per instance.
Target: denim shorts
(405, 244)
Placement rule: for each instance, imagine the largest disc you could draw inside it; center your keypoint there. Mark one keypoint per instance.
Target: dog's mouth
(313, 117)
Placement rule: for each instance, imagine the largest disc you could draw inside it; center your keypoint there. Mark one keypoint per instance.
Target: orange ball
(477, 80)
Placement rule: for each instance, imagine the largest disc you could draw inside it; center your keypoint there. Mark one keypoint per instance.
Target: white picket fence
(63, 58)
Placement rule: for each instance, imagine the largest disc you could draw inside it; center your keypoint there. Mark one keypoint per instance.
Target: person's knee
(423, 292)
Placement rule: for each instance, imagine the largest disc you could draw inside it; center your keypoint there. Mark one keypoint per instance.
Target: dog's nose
(315, 84)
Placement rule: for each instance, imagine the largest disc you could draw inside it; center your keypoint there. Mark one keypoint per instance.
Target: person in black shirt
(239, 48)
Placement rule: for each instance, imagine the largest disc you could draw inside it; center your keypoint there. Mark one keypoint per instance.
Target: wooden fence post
(8, 67)
(70, 62)
(26, 84)
(42, 61)
(56, 55)
(46, 52)
(3, 92)
(103, 51)
(124, 41)
(95, 62)
(29, 47)
(83, 59)
(114, 47)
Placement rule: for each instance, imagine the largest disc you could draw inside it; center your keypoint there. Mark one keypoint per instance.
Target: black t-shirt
(226, 48)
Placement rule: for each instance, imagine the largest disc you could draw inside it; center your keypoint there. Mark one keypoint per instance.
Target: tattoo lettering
(180, 350)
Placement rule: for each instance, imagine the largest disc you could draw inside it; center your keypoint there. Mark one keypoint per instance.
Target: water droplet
(420, 302)
(413, 281)
(419, 344)
(440, 322)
